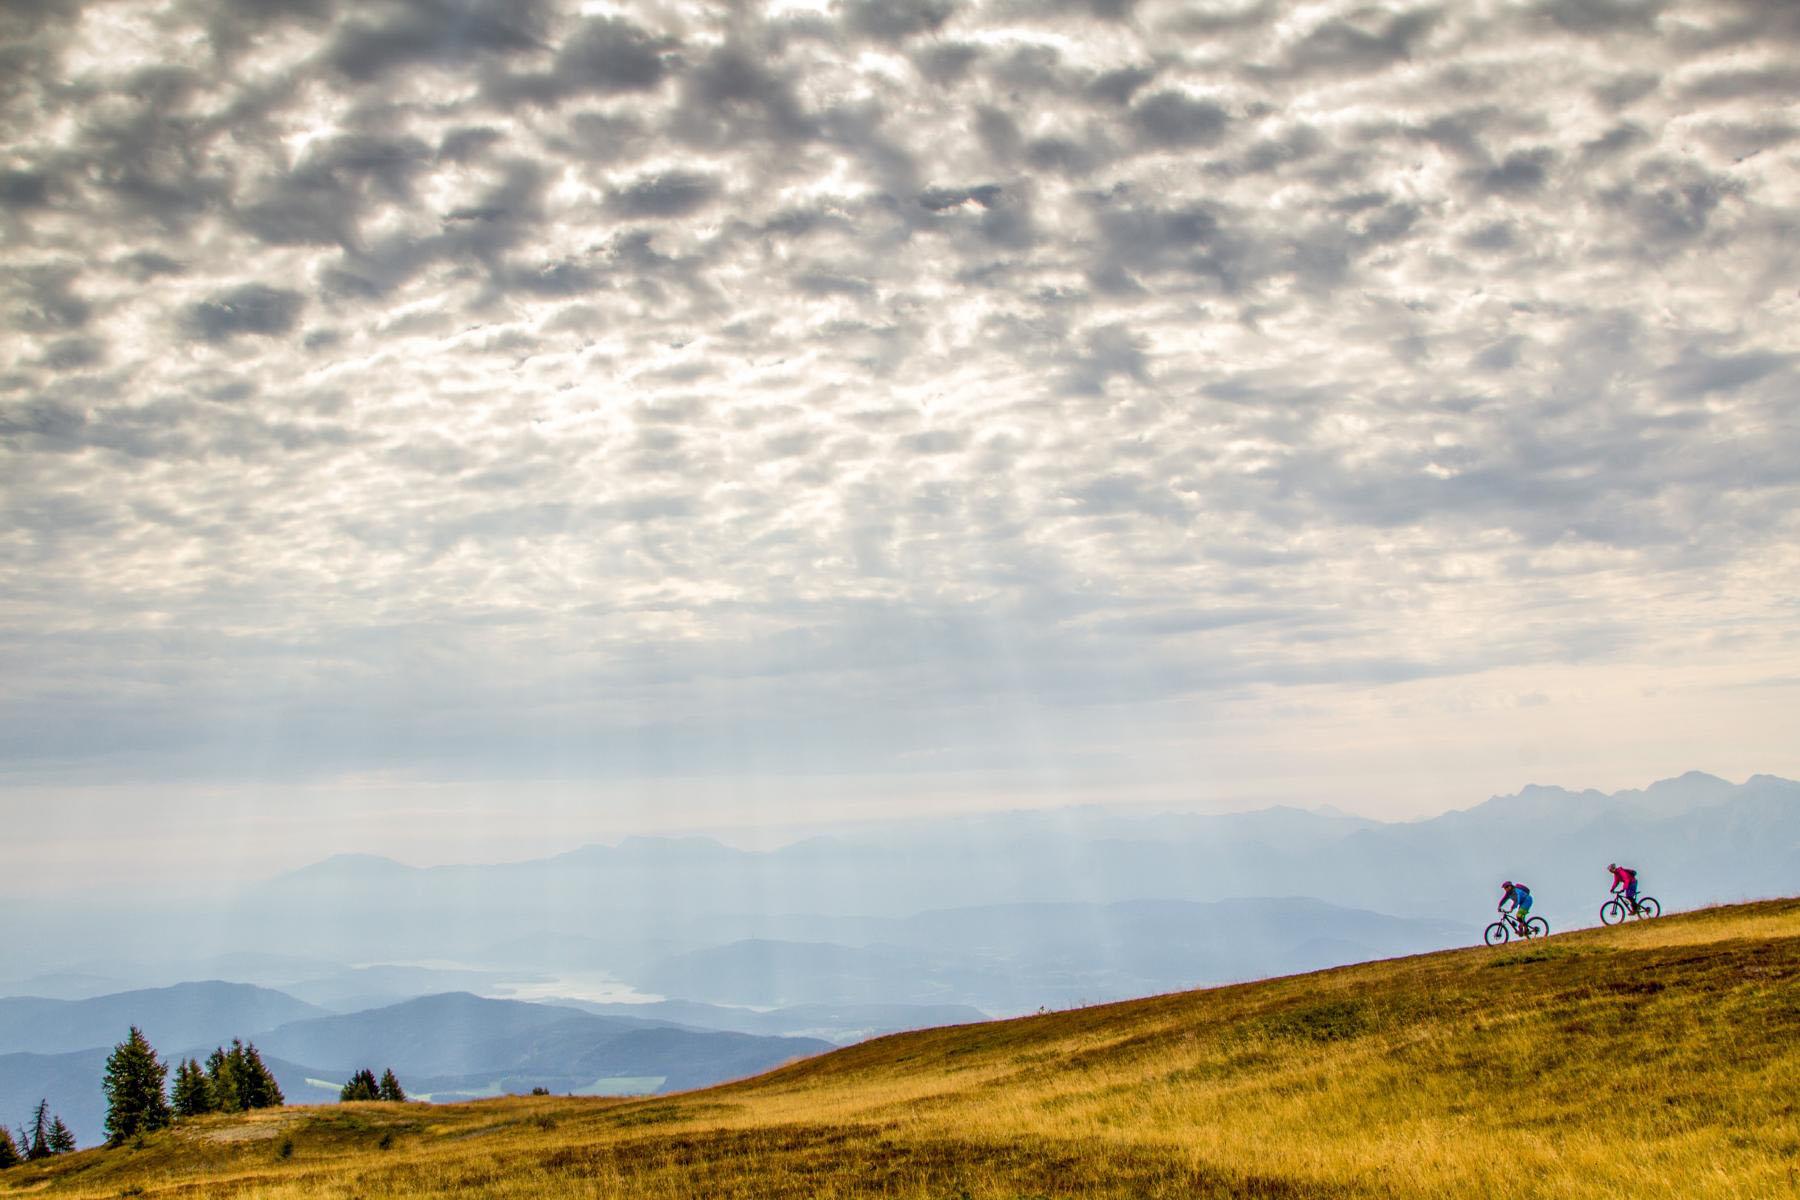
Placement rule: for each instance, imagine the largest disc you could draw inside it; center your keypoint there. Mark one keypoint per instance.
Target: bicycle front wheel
(1649, 907)
(1612, 912)
(1497, 933)
(1537, 927)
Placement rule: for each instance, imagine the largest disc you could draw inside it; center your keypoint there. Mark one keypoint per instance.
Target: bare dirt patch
(256, 1129)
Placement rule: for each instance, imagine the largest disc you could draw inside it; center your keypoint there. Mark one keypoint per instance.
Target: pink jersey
(1621, 877)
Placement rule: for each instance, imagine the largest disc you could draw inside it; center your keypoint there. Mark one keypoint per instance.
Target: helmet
(1507, 884)
(1612, 866)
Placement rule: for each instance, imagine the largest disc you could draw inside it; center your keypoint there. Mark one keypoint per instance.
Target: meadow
(1655, 1060)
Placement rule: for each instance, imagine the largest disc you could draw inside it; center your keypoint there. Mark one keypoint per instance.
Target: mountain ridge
(195, 1011)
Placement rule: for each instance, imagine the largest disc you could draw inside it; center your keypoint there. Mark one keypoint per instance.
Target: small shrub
(540, 1091)
(1524, 956)
(386, 1142)
(1336, 1020)
(286, 1149)
(546, 1122)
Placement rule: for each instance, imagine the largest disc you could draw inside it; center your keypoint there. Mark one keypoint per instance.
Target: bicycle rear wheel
(1648, 906)
(1537, 927)
(1612, 912)
(1497, 933)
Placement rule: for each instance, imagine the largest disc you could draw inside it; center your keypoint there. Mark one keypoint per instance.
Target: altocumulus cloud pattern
(508, 376)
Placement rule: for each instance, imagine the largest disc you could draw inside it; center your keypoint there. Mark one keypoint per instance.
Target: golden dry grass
(1658, 1060)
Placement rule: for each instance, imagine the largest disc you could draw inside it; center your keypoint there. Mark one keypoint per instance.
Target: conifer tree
(256, 1083)
(362, 1086)
(37, 1134)
(390, 1087)
(9, 1149)
(193, 1094)
(134, 1089)
(62, 1138)
(221, 1078)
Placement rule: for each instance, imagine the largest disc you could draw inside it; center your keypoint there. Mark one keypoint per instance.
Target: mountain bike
(1509, 927)
(1619, 909)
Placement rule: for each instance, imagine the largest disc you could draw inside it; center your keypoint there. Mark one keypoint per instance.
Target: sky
(467, 428)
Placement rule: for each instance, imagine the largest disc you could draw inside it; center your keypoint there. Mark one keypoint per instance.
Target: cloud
(393, 34)
(1701, 374)
(1174, 119)
(1596, 17)
(1521, 173)
(603, 56)
(548, 371)
(1746, 83)
(24, 189)
(669, 194)
(1361, 43)
(44, 299)
(895, 20)
(253, 308)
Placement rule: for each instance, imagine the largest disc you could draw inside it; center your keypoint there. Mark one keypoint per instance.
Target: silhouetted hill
(451, 1034)
(358, 988)
(460, 1042)
(839, 1023)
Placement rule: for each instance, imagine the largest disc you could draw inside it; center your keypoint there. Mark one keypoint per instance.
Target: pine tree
(62, 1138)
(256, 1083)
(37, 1134)
(193, 1092)
(9, 1149)
(362, 1086)
(134, 1089)
(221, 1078)
(390, 1087)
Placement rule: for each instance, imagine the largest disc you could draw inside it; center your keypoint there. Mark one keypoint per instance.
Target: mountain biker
(1624, 880)
(1519, 896)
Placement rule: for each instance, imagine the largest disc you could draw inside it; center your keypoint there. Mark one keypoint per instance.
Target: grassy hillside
(1656, 1060)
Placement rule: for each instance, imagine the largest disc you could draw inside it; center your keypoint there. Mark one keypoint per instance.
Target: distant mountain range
(187, 1013)
(1698, 839)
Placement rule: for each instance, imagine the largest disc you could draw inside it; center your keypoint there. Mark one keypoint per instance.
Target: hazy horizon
(173, 878)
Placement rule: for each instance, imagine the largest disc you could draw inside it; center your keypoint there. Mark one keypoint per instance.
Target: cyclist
(1624, 880)
(1519, 896)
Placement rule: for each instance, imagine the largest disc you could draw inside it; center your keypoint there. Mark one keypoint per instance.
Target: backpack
(1629, 874)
